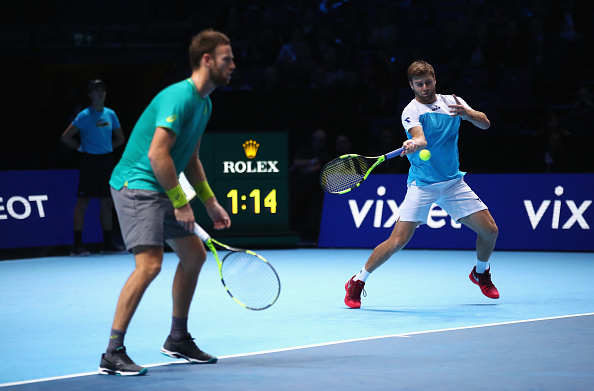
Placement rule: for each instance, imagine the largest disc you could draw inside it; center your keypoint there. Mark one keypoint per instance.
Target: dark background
(524, 63)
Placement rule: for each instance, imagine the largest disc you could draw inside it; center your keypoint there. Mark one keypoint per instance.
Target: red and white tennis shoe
(483, 280)
(353, 293)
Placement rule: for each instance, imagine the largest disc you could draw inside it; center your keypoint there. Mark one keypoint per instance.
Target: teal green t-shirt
(177, 107)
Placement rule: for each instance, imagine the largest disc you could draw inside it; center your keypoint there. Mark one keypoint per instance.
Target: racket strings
(250, 280)
(344, 173)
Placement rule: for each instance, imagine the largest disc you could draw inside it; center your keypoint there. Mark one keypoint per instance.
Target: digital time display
(257, 201)
(255, 205)
(249, 174)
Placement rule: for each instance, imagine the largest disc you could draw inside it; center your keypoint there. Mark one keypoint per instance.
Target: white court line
(404, 335)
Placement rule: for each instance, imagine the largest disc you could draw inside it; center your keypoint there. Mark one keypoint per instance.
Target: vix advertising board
(533, 212)
(36, 209)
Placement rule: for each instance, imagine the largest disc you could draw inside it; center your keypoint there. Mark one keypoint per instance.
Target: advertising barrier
(36, 209)
(533, 212)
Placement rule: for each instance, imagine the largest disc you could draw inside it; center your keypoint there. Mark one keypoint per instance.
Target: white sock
(363, 274)
(481, 267)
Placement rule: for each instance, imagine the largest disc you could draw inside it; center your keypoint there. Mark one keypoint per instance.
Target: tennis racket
(347, 172)
(247, 277)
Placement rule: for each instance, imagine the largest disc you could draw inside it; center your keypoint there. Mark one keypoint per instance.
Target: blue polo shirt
(96, 130)
(441, 132)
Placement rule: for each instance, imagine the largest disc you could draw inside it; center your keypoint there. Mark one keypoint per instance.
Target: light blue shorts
(453, 196)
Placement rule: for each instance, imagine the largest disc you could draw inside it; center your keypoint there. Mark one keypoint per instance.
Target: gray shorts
(146, 217)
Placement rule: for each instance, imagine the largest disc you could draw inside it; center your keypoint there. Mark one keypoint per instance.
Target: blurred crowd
(332, 73)
(527, 64)
(304, 65)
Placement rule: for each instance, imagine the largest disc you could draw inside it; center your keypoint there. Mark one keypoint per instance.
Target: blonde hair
(419, 68)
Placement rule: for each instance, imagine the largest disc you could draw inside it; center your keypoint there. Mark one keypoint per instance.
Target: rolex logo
(251, 148)
(251, 166)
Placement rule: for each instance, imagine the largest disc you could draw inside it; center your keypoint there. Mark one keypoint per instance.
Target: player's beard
(219, 78)
(427, 99)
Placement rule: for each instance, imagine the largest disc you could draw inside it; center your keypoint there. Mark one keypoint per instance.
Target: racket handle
(201, 233)
(186, 187)
(392, 154)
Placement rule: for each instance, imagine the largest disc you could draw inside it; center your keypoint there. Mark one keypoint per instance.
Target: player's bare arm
(117, 137)
(164, 169)
(475, 117)
(195, 173)
(68, 137)
(416, 143)
(194, 170)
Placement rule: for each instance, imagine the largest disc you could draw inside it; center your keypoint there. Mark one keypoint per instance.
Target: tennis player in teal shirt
(178, 108)
(152, 208)
(432, 121)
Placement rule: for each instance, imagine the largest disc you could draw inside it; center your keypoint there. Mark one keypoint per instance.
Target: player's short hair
(205, 42)
(419, 68)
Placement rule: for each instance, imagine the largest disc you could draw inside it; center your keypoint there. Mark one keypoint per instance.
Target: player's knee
(83, 202)
(199, 260)
(148, 267)
(491, 232)
(394, 244)
(195, 261)
(151, 271)
(106, 202)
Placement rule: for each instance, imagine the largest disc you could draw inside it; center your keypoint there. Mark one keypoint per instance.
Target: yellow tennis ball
(425, 154)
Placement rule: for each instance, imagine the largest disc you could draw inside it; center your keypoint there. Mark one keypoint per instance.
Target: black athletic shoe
(187, 349)
(120, 364)
(113, 249)
(79, 251)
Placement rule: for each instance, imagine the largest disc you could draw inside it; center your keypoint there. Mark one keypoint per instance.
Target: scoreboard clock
(249, 174)
(269, 201)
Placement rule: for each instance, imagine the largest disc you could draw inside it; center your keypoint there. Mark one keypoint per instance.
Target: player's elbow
(68, 141)
(485, 124)
(155, 155)
(65, 137)
(152, 156)
(118, 142)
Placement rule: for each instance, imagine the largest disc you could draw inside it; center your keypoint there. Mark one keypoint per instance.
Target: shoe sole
(191, 360)
(105, 371)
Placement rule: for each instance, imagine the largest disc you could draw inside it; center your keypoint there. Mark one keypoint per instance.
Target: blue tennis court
(422, 325)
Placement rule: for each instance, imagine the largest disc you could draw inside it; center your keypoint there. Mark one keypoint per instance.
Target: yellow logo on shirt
(171, 118)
